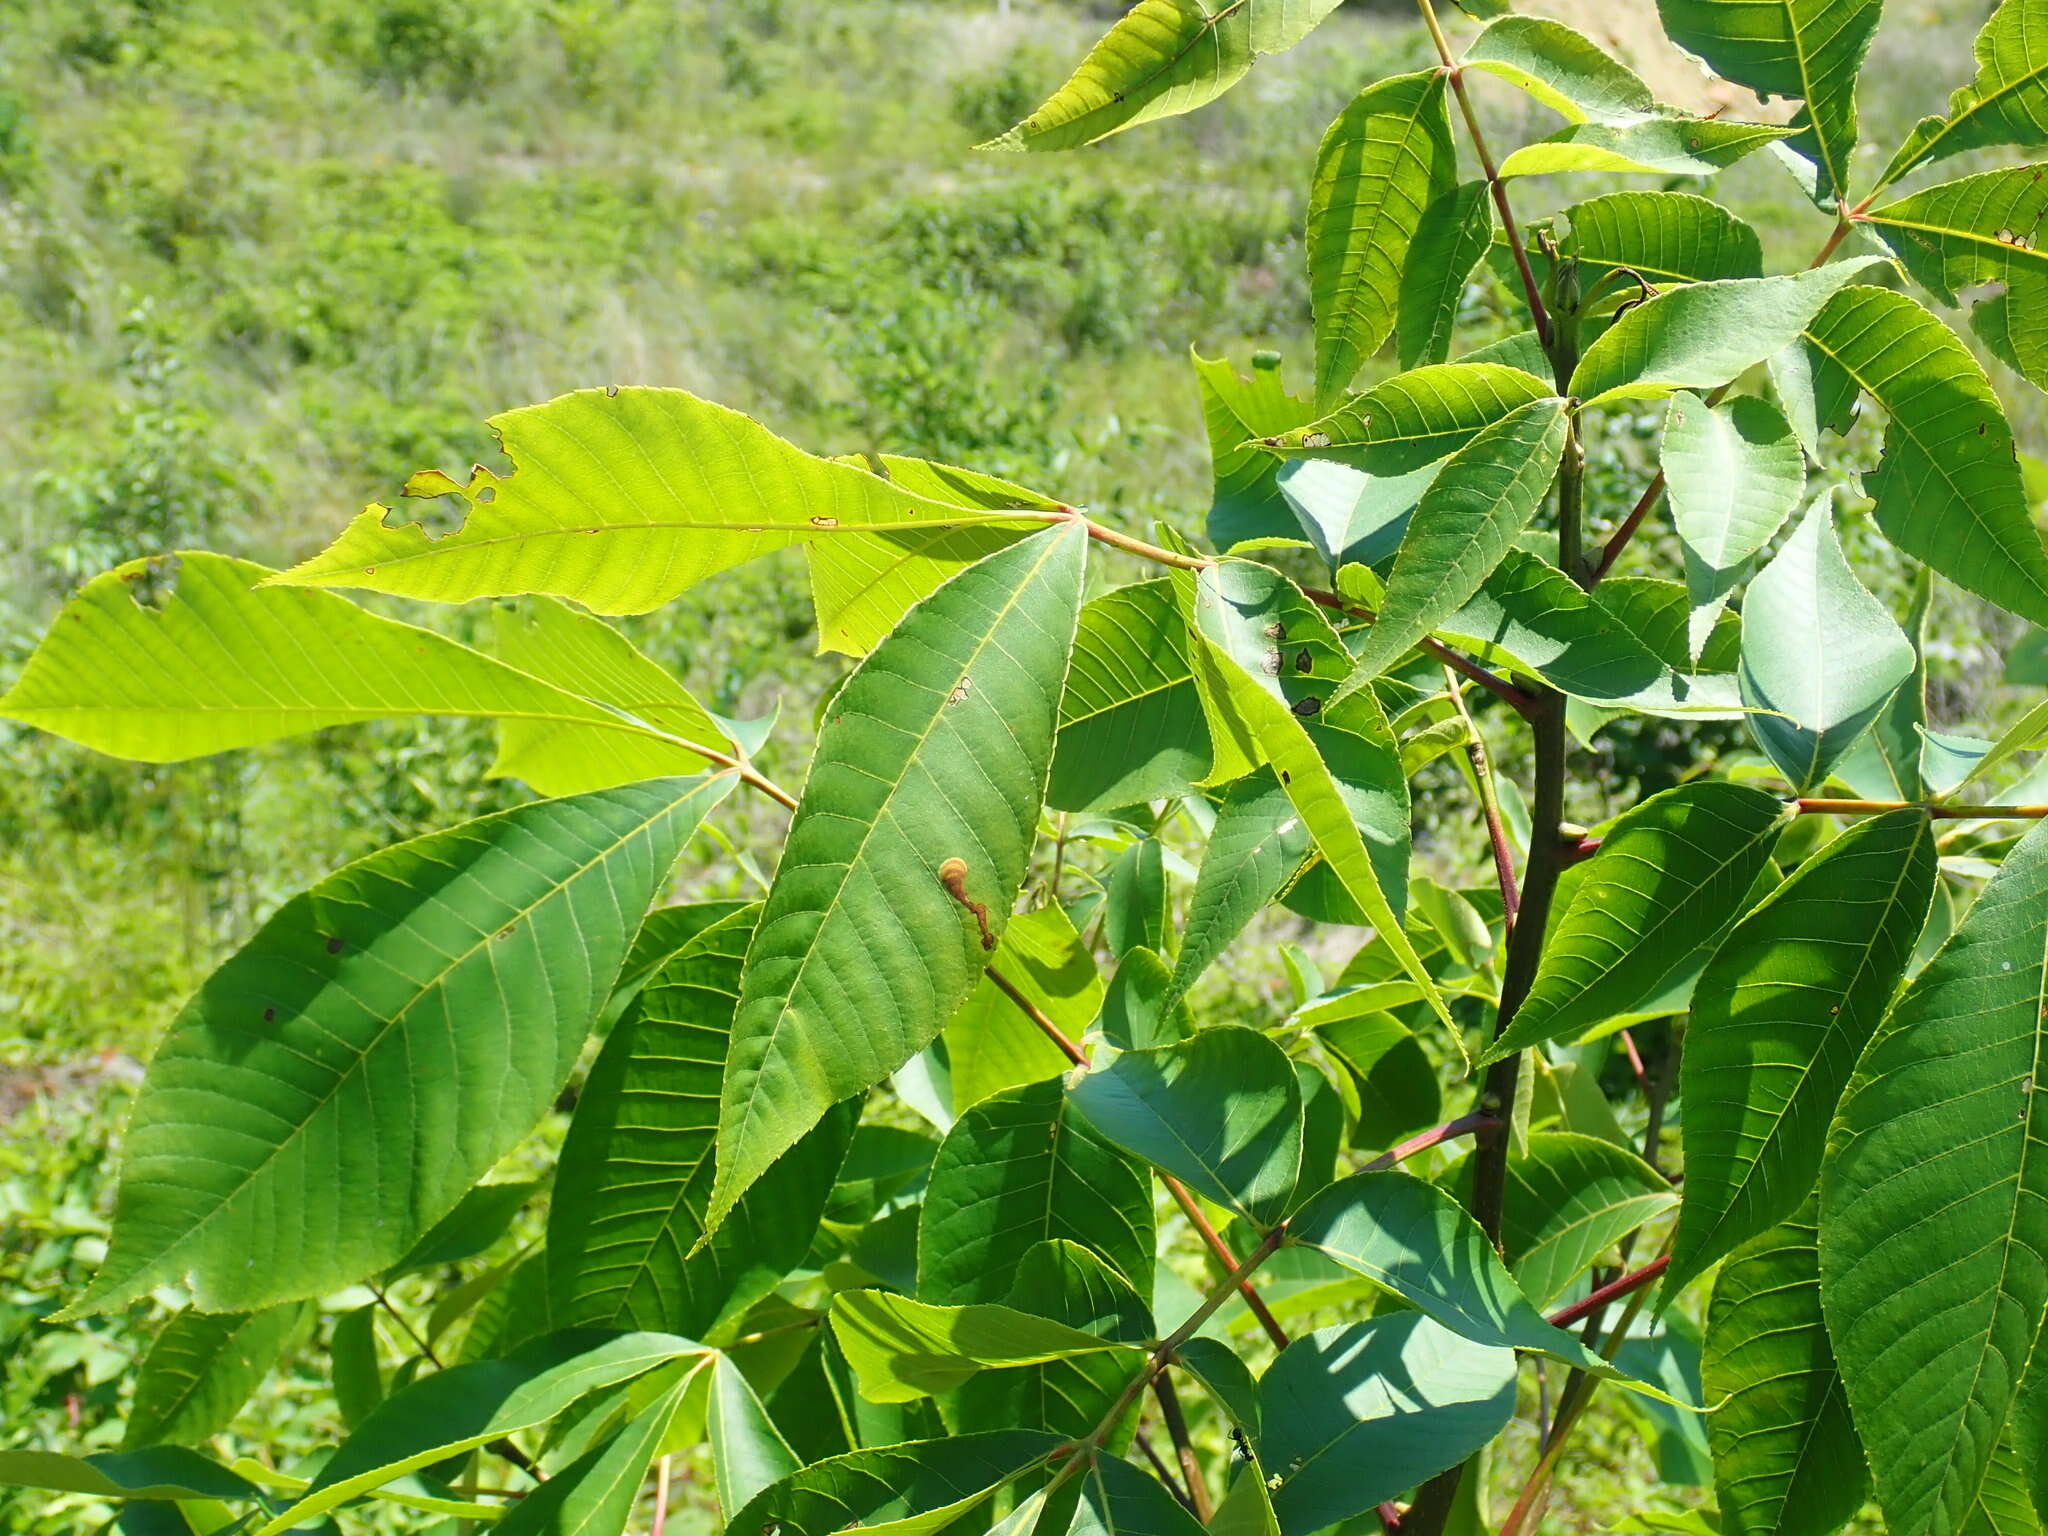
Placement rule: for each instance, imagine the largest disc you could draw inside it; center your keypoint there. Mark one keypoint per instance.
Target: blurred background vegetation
(259, 259)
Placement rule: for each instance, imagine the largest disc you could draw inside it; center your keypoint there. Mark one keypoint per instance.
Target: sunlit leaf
(202, 1368)
(1130, 724)
(2007, 103)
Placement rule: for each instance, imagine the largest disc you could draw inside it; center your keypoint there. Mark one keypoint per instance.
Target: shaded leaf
(1667, 237)
(596, 1494)
(161, 1472)
(748, 1454)
(932, 759)
(1786, 1461)
(1932, 1205)
(1778, 1019)
(1450, 239)
(1415, 418)
(439, 990)
(1818, 651)
(202, 1368)
(638, 1163)
(1237, 411)
(1672, 870)
(1130, 724)
(1016, 1170)
(1354, 1415)
(1220, 1111)
(942, 1479)
(1569, 1199)
(990, 1044)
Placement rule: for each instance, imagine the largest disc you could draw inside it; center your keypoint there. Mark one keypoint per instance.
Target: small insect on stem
(953, 876)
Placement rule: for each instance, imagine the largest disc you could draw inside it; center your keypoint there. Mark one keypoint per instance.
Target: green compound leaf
(1818, 651)
(1948, 490)
(465, 1406)
(1779, 1017)
(1415, 418)
(638, 1164)
(1019, 1169)
(622, 500)
(1563, 69)
(161, 1472)
(1668, 237)
(1258, 681)
(379, 1044)
(1982, 229)
(1386, 159)
(1934, 1205)
(930, 767)
(585, 656)
(1569, 1199)
(1734, 474)
(1237, 412)
(1703, 335)
(1653, 146)
(1542, 622)
(597, 1494)
(159, 662)
(1786, 1460)
(202, 1368)
(914, 1489)
(1220, 1111)
(2006, 104)
(1418, 1242)
(1810, 50)
(1354, 1415)
(1450, 240)
(1164, 57)
(1674, 870)
(1463, 527)
(1131, 725)
(903, 1349)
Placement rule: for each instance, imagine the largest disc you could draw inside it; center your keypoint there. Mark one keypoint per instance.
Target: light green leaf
(1543, 622)
(1778, 1019)
(465, 1406)
(1703, 335)
(1569, 1199)
(597, 1494)
(1355, 1415)
(1672, 872)
(903, 1349)
(1786, 1461)
(202, 1368)
(357, 1375)
(1817, 393)
(1415, 418)
(748, 1454)
(1464, 525)
(214, 661)
(1019, 1169)
(622, 499)
(1237, 412)
(1164, 57)
(1416, 1241)
(1668, 237)
(161, 1472)
(1887, 763)
(1351, 517)
(1983, 229)
(584, 656)
(1131, 726)
(1220, 1111)
(1652, 146)
(1385, 159)
(1257, 678)
(1563, 69)
(863, 583)
(1811, 50)
(1948, 490)
(2007, 103)
(1734, 474)
(637, 1166)
(990, 1044)
(2001, 1507)
(382, 1041)
(1933, 1208)
(935, 750)
(1450, 239)
(1818, 651)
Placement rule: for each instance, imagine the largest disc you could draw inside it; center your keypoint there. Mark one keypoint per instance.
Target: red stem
(1465, 1125)
(1634, 1280)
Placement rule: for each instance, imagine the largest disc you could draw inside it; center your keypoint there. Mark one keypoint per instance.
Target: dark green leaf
(1570, 1199)
(1237, 412)
(1450, 239)
(163, 1472)
(202, 1368)
(1130, 724)
(896, 1482)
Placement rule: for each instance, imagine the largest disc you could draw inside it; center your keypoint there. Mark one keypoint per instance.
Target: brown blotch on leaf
(334, 946)
(1302, 660)
(1307, 706)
